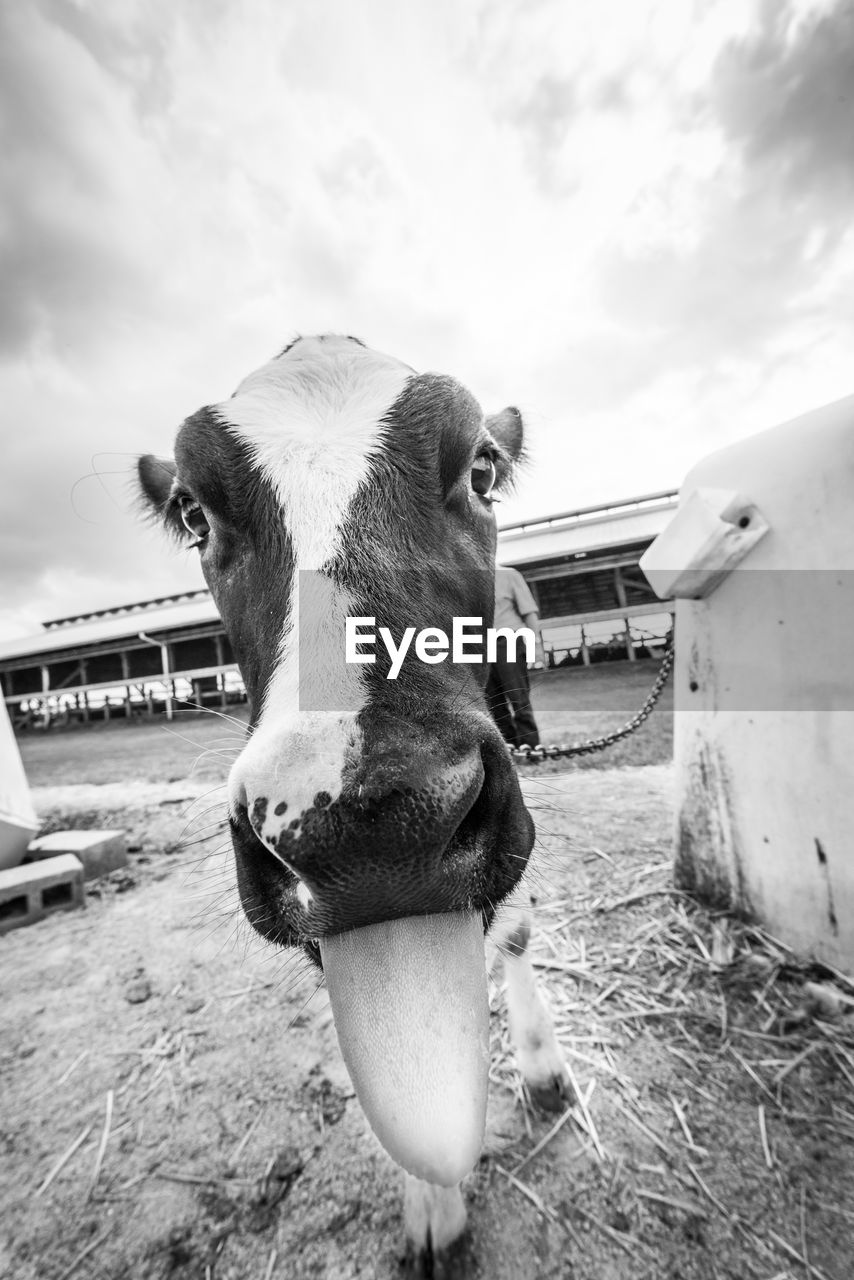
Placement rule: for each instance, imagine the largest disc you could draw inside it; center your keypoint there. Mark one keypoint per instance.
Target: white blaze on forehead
(312, 421)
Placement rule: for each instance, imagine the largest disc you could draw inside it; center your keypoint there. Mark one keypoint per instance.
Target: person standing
(508, 690)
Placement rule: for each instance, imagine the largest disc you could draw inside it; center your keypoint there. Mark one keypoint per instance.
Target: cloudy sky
(632, 219)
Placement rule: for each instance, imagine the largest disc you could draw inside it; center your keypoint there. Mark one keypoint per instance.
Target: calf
(377, 823)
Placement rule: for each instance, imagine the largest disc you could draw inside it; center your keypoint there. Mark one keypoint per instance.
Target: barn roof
(170, 613)
(587, 530)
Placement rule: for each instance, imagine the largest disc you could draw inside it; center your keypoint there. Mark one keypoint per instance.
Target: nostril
(470, 827)
(258, 816)
(250, 822)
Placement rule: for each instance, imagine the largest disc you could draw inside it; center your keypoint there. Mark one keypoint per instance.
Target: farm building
(145, 658)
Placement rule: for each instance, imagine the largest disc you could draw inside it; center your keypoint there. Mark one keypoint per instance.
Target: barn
(150, 657)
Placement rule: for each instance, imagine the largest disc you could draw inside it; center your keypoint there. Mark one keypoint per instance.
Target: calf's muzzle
(406, 836)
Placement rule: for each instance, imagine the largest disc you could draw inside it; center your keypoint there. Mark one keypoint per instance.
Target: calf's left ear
(155, 480)
(507, 429)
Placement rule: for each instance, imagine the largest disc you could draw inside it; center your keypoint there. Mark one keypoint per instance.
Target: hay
(643, 959)
(102, 1146)
(62, 1161)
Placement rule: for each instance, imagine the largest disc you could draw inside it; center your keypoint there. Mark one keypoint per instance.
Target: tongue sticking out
(411, 1011)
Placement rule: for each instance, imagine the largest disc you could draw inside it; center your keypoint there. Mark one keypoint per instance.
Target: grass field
(571, 705)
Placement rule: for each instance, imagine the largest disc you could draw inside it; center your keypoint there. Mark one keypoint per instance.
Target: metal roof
(125, 626)
(135, 606)
(589, 529)
(603, 508)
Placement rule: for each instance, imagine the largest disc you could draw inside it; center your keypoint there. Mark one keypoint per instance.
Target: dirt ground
(174, 1104)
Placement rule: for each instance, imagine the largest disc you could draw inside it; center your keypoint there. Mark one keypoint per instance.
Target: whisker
(212, 711)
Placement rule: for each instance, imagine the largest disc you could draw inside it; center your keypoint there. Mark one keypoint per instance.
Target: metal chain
(534, 755)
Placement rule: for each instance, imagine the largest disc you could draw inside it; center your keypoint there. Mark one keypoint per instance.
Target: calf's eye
(483, 475)
(195, 521)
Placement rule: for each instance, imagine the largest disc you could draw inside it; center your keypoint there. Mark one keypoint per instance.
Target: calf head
(376, 822)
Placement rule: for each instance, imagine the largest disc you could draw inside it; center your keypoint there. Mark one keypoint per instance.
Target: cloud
(129, 42)
(727, 233)
(785, 96)
(68, 236)
(71, 537)
(772, 217)
(545, 117)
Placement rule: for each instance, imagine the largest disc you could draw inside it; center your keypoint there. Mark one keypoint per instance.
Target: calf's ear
(155, 481)
(507, 429)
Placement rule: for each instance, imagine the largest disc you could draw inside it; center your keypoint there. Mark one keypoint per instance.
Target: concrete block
(99, 851)
(37, 889)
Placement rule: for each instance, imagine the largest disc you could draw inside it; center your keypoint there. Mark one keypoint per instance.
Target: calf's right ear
(156, 476)
(507, 429)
